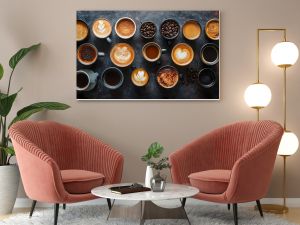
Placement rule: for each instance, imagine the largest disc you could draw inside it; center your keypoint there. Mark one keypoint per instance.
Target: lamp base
(276, 209)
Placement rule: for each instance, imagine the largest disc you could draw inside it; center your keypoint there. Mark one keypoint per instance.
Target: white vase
(148, 176)
(9, 183)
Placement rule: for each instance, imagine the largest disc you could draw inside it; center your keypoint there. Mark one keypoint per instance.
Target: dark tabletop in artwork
(187, 87)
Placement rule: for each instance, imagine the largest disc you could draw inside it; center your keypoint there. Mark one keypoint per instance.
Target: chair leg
(64, 206)
(228, 206)
(108, 203)
(259, 208)
(32, 208)
(183, 202)
(56, 209)
(235, 213)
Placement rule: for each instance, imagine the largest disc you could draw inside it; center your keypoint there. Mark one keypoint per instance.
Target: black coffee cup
(86, 79)
(170, 29)
(112, 78)
(207, 78)
(209, 54)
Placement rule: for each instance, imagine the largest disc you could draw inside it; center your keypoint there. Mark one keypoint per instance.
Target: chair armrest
(251, 174)
(99, 157)
(40, 174)
(191, 158)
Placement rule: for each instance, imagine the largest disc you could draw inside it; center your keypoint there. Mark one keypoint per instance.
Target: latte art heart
(141, 76)
(181, 54)
(122, 54)
(101, 27)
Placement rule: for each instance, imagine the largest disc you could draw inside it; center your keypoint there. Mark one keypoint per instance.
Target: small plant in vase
(157, 182)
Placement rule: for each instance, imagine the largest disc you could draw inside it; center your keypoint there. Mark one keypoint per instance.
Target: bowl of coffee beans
(169, 29)
(148, 30)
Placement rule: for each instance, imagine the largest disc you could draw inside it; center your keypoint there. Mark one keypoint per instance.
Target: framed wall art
(148, 55)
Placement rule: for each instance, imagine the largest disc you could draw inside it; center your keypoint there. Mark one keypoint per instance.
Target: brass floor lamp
(284, 54)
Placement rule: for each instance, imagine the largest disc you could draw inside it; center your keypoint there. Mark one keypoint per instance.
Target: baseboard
(26, 203)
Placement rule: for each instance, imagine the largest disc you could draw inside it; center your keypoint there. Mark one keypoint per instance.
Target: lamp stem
(284, 181)
(257, 54)
(257, 110)
(284, 98)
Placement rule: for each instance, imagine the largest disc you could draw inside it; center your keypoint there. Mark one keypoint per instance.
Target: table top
(172, 191)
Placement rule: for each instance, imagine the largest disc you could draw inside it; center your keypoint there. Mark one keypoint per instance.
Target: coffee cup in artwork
(167, 77)
(207, 77)
(122, 54)
(182, 54)
(112, 78)
(102, 29)
(209, 54)
(125, 27)
(152, 51)
(82, 30)
(191, 30)
(86, 80)
(87, 54)
(148, 30)
(212, 29)
(139, 77)
(169, 29)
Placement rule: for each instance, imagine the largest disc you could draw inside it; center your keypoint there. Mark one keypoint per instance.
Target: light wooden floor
(293, 215)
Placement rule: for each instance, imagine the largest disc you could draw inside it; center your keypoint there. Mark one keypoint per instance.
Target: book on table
(126, 189)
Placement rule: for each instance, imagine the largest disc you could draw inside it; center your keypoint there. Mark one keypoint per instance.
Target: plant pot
(148, 176)
(9, 183)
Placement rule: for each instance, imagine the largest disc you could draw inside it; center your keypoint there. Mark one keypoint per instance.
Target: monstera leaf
(16, 58)
(154, 151)
(27, 111)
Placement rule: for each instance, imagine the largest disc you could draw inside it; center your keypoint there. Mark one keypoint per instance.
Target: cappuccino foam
(102, 28)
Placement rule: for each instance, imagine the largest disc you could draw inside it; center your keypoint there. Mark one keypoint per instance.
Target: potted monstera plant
(153, 160)
(9, 173)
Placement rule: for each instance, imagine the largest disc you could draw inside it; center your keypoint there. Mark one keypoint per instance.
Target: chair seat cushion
(211, 181)
(81, 181)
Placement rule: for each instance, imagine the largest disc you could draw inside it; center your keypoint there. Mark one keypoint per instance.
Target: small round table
(145, 209)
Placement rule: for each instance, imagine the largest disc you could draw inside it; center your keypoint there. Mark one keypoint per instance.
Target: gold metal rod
(258, 45)
(284, 181)
(284, 33)
(257, 56)
(284, 98)
(257, 114)
(271, 29)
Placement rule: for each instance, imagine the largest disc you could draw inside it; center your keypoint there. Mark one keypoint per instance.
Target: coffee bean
(169, 28)
(148, 29)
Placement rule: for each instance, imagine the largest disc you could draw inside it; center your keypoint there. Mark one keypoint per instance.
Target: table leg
(130, 212)
(153, 211)
(110, 209)
(147, 210)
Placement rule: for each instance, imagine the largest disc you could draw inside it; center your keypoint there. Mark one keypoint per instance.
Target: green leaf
(9, 150)
(44, 105)
(27, 111)
(155, 150)
(6, 103)
(1, 71)
(16, 58)
(2, 95)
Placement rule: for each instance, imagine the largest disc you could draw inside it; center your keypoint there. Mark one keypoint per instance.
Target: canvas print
(148, 55)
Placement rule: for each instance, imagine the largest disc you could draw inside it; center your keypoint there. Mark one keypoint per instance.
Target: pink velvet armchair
(231, 165)
(60, 164)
